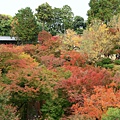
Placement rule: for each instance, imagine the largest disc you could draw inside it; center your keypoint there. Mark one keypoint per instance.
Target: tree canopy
(24, 26)
(79, 24)
(5, 21)
(103, 9)
(67, 16)
(44, 13)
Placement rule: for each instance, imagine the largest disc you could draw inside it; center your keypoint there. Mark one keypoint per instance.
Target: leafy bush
(99, 63)
(108, 66)
(51, 61)
(7, 111)
(97, 104)
(106, 61)
(117, 62)
(44, 36)
(112, 114)
(53, 109)
(74, 58)
(86, 77)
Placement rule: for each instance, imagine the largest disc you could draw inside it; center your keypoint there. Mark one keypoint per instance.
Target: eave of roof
(7, 38)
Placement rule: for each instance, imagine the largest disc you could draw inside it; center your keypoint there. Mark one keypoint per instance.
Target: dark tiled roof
(7, 38)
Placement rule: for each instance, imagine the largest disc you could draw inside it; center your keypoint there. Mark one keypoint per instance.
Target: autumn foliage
(48, 81)
(81, 78)
(44, 36)
(74, 58)
(97, 104)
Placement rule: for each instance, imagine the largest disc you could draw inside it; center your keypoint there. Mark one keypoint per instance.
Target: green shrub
(99, 64)
(53, 109)
(7, 111)
(112, 114)
(117, 62)
(108, 66)
(106, 61)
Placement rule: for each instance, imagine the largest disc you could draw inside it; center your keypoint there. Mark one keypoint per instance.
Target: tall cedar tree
(103, 9)
(25, 26)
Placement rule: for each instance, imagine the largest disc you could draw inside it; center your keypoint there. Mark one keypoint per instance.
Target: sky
(10, 7)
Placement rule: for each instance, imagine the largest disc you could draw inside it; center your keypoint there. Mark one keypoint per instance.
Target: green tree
(103, 9)
(5, 21)
(78, 24)
(44, 13)
(67, 17)
(56, 24)
(25, 26)
(62, 20)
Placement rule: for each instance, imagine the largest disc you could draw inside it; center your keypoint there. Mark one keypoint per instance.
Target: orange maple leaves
(98, 103)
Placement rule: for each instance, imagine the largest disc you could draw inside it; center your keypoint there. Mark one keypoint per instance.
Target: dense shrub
(7, 111)
(108, 66)
(51, 61)
(74, 58)
(112, 114)
(99, 63)
(44, 36)
(81, 78)
(117, 62)
(29, 49)
(97, 104)
(54, 108)
(106, 63)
